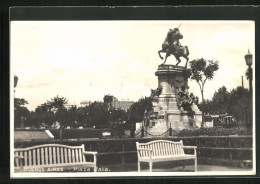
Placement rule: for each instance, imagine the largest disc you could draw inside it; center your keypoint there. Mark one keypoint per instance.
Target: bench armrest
(189, 147)
(94, 153)
(89, 152)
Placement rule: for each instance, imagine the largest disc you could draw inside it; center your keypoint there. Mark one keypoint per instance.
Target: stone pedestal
(171, 78)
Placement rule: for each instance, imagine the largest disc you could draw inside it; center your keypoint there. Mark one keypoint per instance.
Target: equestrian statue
(171, 45)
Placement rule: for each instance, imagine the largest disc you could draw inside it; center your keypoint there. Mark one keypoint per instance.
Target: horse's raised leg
(187, 59)
(178, 61)
(159, 52)
(166, 56)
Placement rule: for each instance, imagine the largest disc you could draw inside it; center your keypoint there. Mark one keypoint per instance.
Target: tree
(221, 101)
(98, 115)
(83, 116)
(202, 70)
(136, 111)
(57, 103)
(18, 102)
(239, 104)
(21, 113)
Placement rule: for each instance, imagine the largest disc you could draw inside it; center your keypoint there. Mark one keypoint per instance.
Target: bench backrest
(49, 154)
(160, 148)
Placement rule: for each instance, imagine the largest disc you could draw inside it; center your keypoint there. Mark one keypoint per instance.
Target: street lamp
(249, 58)
(15, 83)
(15, 80)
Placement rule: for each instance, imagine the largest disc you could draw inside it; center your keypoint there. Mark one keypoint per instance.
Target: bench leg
(195, 165)
(138, 166)
(151, 166)
(183, 165)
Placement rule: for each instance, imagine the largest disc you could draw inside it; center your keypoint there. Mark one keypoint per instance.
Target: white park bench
(52, 157)
(162, 151)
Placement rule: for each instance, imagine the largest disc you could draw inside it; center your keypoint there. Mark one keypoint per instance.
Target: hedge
(216, 131)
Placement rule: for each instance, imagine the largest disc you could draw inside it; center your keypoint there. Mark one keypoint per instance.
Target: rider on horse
(171, 45)
(172, 39)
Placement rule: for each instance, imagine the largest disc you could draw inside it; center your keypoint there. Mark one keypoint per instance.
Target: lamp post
(249, 58)
(15, 83)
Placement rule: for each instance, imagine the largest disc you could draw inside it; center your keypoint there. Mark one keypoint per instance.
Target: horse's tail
(187, 50)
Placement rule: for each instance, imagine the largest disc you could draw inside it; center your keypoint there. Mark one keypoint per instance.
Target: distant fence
(120, 151)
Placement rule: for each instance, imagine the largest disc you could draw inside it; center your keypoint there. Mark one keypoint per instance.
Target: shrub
(216, 131)
(77, 133)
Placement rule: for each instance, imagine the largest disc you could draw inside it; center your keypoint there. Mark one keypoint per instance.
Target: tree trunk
(202, 95)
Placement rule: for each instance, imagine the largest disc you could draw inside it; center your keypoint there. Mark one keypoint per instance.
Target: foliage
(240, 106)
(236, 102)
(221, 101)
(98, 114)
(19, 102)
(57, 103)
(136, 112)
(249, 73)
(203, 70)
(82, 117)
(21, 113)
(77, 133)
(216, 131)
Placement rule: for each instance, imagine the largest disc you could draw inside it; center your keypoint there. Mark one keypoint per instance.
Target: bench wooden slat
(38, 157)
(80, 155)
(177, 151)
(173, 149)
(25, 158)
(141, 152)
(77, 155)
(34, 157)
(46, 156)
(21, 154)
(160, 146)
(66, 155)
(69, 155)
(62, 155)
(153, 148)
(168, 149)
(58, 155)
(42, 156)
(177, 148)
(17, 160)
(73, 155)
(30, 158)
(157, 149)
(50, 155)
(54, 155)
(165, 149)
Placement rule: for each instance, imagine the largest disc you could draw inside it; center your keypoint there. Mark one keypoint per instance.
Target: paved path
(169, 168)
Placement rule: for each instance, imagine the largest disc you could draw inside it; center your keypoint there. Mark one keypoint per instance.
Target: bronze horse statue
(172, 46)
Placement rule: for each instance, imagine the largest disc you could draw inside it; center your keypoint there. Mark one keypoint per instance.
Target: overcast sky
(85, 60)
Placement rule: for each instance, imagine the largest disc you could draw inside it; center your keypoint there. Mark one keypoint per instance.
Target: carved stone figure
(156, 92)
(184, 100)
(171, 45)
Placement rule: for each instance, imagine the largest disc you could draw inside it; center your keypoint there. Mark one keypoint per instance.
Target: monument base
(171, 79)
